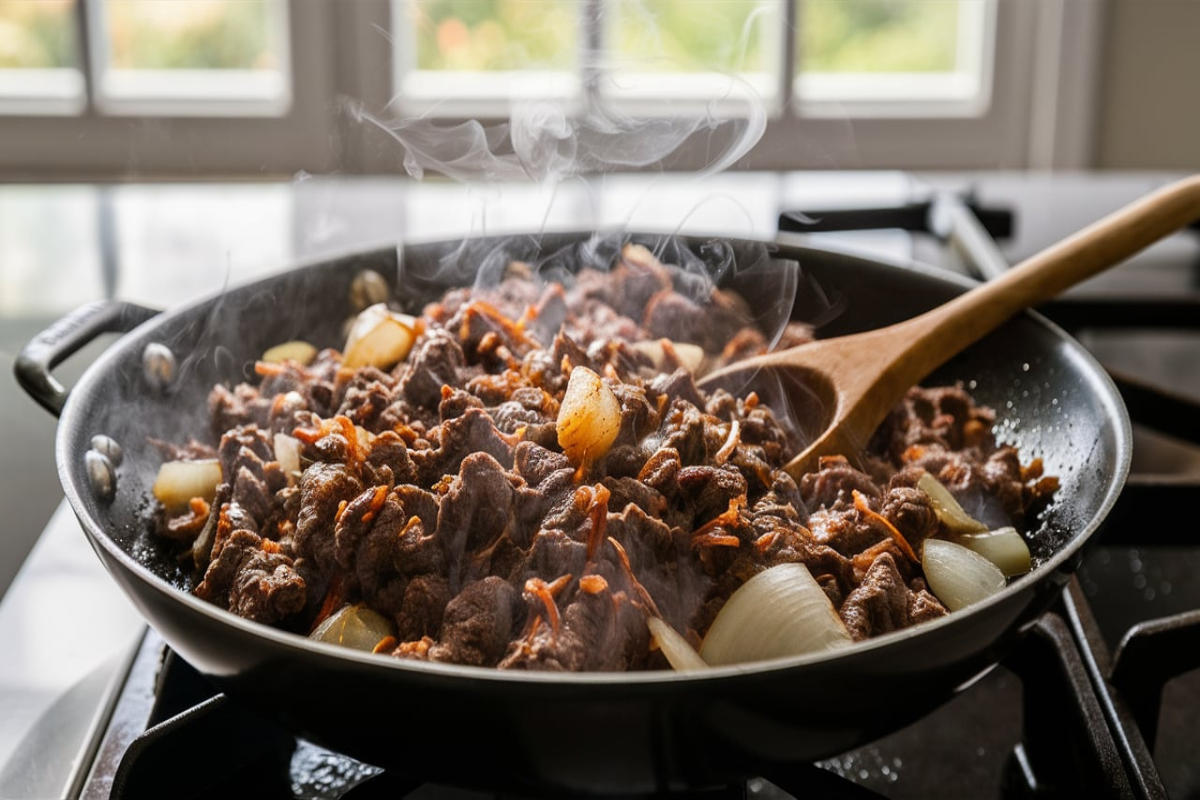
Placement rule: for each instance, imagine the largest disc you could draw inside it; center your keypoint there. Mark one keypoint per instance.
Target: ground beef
(434, 491)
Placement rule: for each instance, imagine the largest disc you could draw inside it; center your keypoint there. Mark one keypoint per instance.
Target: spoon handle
(966, 319)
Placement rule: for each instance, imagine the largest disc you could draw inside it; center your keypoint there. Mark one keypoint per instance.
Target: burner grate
(169, 722)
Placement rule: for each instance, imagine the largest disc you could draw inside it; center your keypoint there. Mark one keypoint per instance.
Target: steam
(542, 143)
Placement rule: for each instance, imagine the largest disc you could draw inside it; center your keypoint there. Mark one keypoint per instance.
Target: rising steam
(541, 142)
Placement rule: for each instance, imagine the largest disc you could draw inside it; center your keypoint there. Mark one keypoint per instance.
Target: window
(269, 86)
(191, 58)
(165, 87)
(38, 58)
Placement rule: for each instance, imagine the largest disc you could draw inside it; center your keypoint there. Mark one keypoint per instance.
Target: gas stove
(1101, 698)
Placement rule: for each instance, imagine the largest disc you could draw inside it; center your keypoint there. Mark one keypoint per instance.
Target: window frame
(1043, 82)
(133, 138)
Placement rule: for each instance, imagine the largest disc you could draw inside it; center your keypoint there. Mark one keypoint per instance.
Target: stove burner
(171, 728)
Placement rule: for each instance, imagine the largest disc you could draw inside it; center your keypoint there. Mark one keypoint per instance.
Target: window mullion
(88, 46)
(787, 57)
(590, 52)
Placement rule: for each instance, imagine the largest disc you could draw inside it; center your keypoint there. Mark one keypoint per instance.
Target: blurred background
(155, 149)
(132, 89)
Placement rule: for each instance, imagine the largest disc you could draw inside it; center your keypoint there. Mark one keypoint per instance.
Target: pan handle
(52, 346)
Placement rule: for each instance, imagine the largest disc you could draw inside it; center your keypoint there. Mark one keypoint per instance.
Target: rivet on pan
(107, 447)
(367, 289)
(158, 363)
(101, 475)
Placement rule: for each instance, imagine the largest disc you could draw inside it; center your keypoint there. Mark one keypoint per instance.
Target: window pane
(727, 36)
(38, 57)
(878, 36)
(189, 34)
(495, 35)
(473, 57)
(688, 50)
(894, 52)
(37, 34)
(194, 57)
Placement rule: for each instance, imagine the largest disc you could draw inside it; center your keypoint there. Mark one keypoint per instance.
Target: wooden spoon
(858, 379)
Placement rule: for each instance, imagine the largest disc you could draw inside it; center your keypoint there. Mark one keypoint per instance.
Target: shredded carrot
(643, 595)
(351, 435)
(912, 453)
(766, 541)
(860, 502)
(268, 369)
(199, 507)
(376, 503)
(386, 644)
(751, 402)
(270, 546)
(515, 438)
(534, 624)
(333, 600)
(731, 443)
(308, 435)
(727, 518)
(592, 584)
(598, 513)
(337, 518)
(541, 590)
(716, 540)
(413, 520)
(480, 308)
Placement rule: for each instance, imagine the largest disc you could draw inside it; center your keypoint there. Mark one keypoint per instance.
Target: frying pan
(585, 733)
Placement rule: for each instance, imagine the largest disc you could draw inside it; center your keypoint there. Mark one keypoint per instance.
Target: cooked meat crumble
(437, 492)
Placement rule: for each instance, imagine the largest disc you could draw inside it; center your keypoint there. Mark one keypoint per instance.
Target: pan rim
(1115, 409)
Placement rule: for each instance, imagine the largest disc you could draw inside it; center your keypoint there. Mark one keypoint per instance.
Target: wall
(1149, 105)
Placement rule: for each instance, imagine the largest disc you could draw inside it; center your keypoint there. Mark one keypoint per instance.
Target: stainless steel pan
(630, 732)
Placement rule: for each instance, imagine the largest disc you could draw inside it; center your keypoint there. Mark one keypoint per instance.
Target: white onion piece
(947, 508)
(1004, 547)
(287, 453)
(356, 627)
(689, 356)
(178, 482)
(589, 416)
(296, 350)
(959, 576)
(781, 611)
(378, 338)
(679, 653)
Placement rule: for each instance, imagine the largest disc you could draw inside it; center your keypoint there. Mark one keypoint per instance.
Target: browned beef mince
(436, 493)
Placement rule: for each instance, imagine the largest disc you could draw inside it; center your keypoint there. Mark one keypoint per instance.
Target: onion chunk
(957, 575)
(379, 338)
(1004, 547)
(949, 512)
(681, 655)
(296, 350)
(781, 611)
(178, 482)
(589, 416)
(354, 626)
